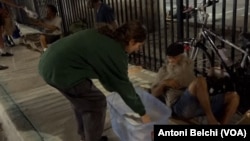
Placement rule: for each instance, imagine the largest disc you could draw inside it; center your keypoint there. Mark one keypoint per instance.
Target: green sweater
(89, 54)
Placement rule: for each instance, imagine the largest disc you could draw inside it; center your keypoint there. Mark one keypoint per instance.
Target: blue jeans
(188, 106)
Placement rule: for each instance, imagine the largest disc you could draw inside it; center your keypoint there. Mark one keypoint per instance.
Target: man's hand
(171, 83)
(145, 119)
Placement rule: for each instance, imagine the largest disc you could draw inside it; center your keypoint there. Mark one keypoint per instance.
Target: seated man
(51, 25)
(186, 94)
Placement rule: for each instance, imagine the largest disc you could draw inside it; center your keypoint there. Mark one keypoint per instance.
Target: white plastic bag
(127, 129)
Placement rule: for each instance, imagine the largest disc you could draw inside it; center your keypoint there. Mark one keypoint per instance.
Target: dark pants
(51, 38)
(89, 104)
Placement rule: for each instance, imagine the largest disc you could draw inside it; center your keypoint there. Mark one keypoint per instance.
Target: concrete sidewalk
(32, 110)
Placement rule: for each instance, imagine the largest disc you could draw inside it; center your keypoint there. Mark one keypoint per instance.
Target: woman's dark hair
(52, 8)
(131, 30)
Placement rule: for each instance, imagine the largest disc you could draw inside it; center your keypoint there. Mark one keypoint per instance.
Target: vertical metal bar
(122, 18)
(81, 11)
(66, 14)
(131, 56)
(148, 37)
(84, 9)
(141, 19)
(213, 15)
(153, 31)
(213, 26)
(108, 2)
(117, 11)
(62, 16)
(159, 32)
(246, 16)
(112, 3)
(89, 16)
(78, 9)
(136, 17)
(172, 19)
(126, 11)
(74, 11)
(136, 54)
(234, 27)
(70, 11)
(195, 27)
(135, 9)
(223, 24)
(92, 15)
(187, 20)
(165, 29)
(180, 24)
(131, 11)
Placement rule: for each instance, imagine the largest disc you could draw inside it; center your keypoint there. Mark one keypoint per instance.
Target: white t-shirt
(57, 21)
(183, 73)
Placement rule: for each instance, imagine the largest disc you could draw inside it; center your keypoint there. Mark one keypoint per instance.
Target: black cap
(174, 49)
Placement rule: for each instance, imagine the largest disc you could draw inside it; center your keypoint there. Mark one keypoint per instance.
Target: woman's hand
(145, 119)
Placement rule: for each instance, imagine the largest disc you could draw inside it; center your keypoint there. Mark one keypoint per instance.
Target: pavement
(31, 110)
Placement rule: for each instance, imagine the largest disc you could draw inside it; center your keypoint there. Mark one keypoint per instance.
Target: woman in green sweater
(70, 63)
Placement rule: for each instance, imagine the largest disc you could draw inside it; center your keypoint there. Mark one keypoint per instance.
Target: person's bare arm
(49, 27)
(162, 86)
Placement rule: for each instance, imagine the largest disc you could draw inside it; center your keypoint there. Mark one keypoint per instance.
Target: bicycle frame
(207, 34)
(245, 53)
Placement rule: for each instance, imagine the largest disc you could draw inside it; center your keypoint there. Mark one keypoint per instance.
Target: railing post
(180, 29)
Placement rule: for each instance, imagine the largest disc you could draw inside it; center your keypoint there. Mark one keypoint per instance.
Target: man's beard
(172, 68)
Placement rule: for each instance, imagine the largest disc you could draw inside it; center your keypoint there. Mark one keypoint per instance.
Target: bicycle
(203, 47)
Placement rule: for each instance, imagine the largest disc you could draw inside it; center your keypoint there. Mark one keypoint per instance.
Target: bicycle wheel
(201, 57)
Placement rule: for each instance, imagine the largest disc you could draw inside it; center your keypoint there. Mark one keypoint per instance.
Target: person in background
(70, 63)
(4, 14)
(52, 27)
(187, 94)
(104, 14)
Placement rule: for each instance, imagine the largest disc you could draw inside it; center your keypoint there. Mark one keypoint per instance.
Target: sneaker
(3, 67)
(104, 138)
(7, 54)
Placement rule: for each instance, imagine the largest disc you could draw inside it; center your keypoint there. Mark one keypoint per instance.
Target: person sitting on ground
(187, 94)
(52, 26)
(104, 14)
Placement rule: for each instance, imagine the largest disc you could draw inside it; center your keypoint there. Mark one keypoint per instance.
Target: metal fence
(163, 18)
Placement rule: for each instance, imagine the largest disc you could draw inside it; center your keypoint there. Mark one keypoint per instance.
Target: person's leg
(198, 88)
(79, 121)
(2, 47)
(94, 124)
(231, 102)
(47, 39)
(43, 42)
(90, 106)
